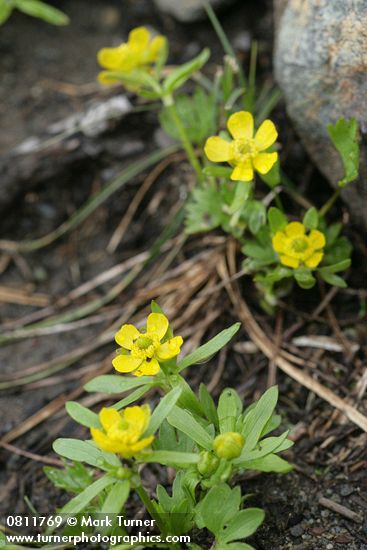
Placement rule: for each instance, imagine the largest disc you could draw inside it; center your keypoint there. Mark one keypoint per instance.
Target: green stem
(325, 209)
(169, 103)
(144, 497)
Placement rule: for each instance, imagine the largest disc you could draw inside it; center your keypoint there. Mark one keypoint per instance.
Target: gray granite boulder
(320, 64)
(188, 10)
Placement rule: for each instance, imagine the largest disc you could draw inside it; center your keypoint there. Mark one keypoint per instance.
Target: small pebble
(329, 546)
(297, 530)
(346, 490)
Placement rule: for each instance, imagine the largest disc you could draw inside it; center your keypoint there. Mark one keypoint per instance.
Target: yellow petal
(148, 368)
(139, 38)
(137, 447)
(156, 46)
(105, 78)
(314, 260)
(217, 149)
(137, 418)
(157, 323)
(289, 261)
(279, 242)
(266, 135)
(169, 349)
(317, 239)
(241, 125)
(126, 335)
(295, 229)
(126, 363)
(263, 162)
(243, 172)
(102, 441)
(109, 417)
(111, 58)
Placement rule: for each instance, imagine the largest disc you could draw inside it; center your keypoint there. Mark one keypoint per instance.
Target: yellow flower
(122, 430)
(295, 247)
(146, 348)
(139, 52)
(245, 152)
(228, 445)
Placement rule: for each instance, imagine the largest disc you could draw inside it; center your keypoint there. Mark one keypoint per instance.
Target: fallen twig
(340, 509)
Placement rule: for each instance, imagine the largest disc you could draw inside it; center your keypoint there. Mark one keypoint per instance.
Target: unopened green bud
(228, 445)
(123, 473)
(207, 464)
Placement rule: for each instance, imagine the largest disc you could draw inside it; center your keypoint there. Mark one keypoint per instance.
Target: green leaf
(203, 353)
(340, 250)
(197, 114)
(171, 439)
(242, 193)
(171, 458)
(186, 423)
(272, 178)
(243, 524)
(116, 497)
(81, 501)
(39, 9)
(203, 210)
(214, 171)
(234, 546)
(269, 463)
(219, 505)
(162, 410)
(257, 418)
(332, 233)
(265, 447)
(257, 216)
(84, 451)
(132, 397)
(179, 76)
(275, 275)
(155, 308)
(112, 383)
(344, 135)
(6, 7)
(277, 220)
(82, 415)
(340, 266)
(208, 405)
(304, 278)
(73, 478)
(256, 250)
(311, 219)
(333, 279)
(229, 409)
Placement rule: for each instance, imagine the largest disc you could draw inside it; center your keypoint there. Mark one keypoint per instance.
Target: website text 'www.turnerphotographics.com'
(99, 529)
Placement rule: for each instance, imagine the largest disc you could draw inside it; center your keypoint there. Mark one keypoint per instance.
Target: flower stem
(169, 103)
(325, 209)
(144, 497)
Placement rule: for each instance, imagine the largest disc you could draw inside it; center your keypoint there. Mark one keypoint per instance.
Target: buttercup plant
(278, 249)
(207, 444)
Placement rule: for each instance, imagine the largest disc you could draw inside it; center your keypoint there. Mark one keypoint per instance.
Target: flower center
(145, 346)
(243, 149)
(299, 245)
(143, 342)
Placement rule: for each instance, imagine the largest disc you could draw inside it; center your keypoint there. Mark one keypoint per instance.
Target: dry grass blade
(119, 232)
(32, 456)
(23, 297)
(269, 349)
